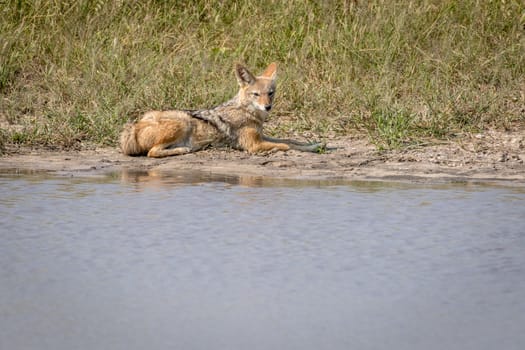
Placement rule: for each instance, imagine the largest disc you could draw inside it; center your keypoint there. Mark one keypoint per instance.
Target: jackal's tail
(128, 141)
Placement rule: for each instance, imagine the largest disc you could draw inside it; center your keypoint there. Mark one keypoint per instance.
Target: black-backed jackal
(237, 123)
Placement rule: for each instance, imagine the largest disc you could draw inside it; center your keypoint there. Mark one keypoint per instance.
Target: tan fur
(237, 123)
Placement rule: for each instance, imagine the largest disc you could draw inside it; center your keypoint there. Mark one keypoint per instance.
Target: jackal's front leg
(251, 140)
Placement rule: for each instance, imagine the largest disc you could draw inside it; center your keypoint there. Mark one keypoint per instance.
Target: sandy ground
(492, 156)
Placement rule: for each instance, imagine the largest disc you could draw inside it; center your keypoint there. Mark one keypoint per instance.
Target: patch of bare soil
(492, 156)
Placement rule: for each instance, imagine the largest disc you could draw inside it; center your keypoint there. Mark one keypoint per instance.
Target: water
(187, 261)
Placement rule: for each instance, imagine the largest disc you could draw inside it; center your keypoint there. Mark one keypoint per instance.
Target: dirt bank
(481, 157)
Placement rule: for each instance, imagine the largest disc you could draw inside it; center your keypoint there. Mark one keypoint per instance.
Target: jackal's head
(257, 93)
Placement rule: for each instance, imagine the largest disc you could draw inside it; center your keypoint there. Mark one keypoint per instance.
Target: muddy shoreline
(493, 156)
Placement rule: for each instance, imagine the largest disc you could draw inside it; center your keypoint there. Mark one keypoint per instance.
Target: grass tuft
(73, 72)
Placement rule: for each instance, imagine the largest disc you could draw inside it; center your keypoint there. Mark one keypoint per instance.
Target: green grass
(73, 72)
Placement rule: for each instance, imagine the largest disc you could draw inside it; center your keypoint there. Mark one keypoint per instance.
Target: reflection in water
(156, 178)
(145, 260)
(160, 178)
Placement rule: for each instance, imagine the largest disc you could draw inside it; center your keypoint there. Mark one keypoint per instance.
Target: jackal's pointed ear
(270, 71)
(244, 77)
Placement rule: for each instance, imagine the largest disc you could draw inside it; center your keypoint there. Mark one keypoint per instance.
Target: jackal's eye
(256, 94)
(271, 93)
